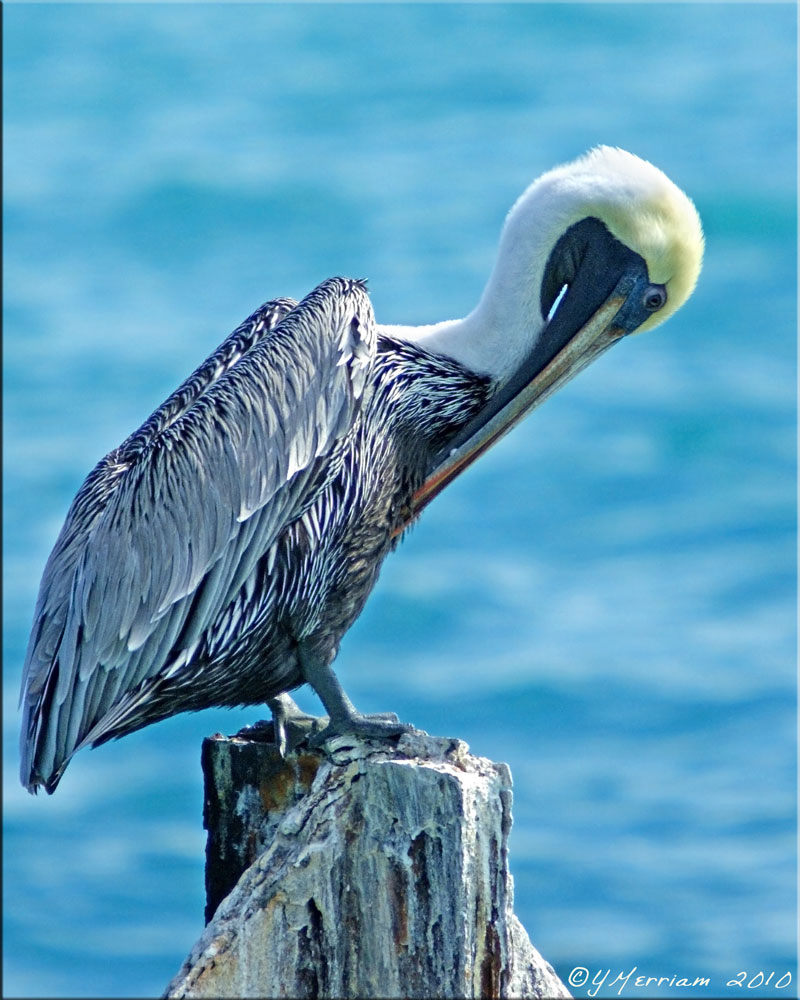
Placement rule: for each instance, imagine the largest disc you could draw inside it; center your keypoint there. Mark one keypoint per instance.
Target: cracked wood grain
(373, 869)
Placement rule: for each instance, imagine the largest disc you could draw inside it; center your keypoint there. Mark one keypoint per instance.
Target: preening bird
(220, 553)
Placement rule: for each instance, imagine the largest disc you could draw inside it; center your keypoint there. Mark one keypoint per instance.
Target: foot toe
(379, 726)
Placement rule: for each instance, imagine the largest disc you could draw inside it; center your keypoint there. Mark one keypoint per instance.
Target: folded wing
(169, 525)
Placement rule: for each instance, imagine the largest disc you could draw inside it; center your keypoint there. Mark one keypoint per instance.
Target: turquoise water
(606, 601)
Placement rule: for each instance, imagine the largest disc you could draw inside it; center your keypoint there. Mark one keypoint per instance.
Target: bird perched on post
(220, 553)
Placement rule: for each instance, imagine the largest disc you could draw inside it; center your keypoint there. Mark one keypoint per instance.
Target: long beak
(538, 378)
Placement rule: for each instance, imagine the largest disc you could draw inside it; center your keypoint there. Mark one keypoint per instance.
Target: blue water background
(606, 601)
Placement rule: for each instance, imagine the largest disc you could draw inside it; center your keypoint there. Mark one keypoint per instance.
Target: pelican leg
(344, 718)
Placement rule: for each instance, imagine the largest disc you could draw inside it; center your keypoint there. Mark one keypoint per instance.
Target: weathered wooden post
(372, 869)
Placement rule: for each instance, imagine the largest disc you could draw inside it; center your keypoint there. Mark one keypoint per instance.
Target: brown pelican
(219, 554)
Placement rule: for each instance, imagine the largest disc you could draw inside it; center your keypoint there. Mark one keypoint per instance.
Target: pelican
(220, 553)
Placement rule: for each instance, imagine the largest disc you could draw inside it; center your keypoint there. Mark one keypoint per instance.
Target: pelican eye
(654, 298)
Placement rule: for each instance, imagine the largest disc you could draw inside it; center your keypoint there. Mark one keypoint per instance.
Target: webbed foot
(375, 726)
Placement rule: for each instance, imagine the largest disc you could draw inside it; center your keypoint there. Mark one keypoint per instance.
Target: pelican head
(593, 250)
(636, 204)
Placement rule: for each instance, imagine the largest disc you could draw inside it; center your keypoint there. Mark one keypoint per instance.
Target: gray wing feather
(168, 527)
(89, 504)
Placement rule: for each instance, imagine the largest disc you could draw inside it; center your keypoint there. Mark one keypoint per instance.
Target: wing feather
(168, 527)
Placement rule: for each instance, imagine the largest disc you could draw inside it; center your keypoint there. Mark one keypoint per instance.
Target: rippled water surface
(606, 601)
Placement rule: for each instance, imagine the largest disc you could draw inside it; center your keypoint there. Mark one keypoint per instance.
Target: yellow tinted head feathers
(639, 205)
